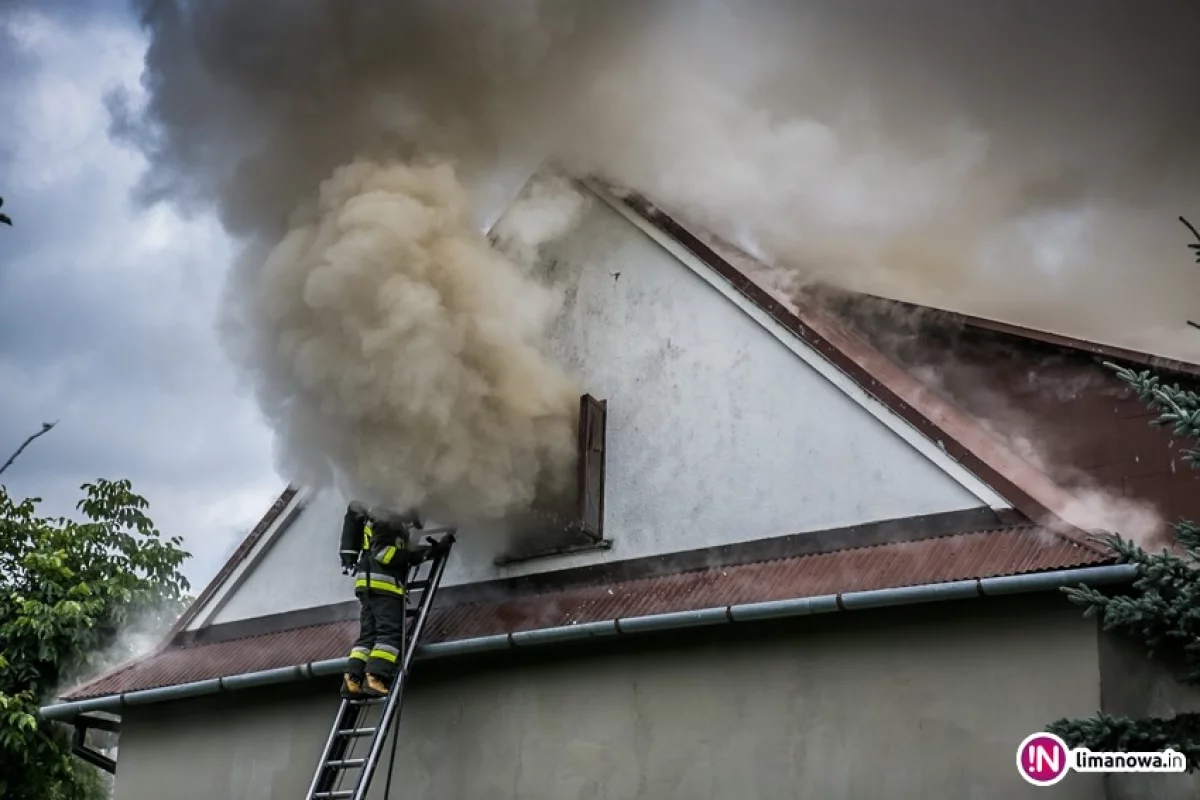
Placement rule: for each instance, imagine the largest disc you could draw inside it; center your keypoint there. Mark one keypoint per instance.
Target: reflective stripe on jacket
(383, 555)
(380, 583)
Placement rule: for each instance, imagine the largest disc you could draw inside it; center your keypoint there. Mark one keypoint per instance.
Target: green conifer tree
(1162, 612)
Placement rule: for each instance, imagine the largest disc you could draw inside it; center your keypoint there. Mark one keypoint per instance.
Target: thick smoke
(1026, 161)
(395, 351)
(1022, 160)
(399, 346)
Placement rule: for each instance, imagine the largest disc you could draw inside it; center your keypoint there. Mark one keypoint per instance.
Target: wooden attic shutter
(593, 416)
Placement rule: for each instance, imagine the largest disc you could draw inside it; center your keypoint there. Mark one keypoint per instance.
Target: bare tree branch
(1194, 247)
(46, 428)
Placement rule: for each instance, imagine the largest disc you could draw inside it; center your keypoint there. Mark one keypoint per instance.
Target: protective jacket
(379, 547)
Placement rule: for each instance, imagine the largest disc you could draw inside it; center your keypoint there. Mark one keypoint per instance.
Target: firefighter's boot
(351, 686)
(376, 686)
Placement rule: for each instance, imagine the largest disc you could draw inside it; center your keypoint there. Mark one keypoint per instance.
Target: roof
(1049, 534)
(1006, 551)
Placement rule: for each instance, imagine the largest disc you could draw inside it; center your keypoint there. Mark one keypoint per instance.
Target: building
(801, 567)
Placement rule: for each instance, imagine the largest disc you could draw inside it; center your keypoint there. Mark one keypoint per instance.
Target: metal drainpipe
(721, 615)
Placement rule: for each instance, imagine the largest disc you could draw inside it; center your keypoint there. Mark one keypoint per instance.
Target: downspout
(678, 620)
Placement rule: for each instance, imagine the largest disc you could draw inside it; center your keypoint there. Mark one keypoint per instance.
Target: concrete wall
(1134, 686)
(923, 702)
(717, 430)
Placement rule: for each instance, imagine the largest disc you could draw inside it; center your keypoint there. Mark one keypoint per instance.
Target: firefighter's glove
(348, 562)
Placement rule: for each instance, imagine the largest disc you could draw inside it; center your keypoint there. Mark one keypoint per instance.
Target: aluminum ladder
(354, 723)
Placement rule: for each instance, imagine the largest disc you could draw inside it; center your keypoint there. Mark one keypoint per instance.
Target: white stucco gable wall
(722, 427)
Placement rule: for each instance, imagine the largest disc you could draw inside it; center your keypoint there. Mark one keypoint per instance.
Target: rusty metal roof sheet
(1008, 551)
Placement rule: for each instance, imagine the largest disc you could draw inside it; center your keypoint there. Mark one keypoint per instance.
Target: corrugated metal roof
(1008, 551)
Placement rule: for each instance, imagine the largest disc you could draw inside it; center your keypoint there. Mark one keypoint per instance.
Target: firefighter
(378, 547)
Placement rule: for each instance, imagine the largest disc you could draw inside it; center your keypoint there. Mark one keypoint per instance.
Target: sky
(108, 312)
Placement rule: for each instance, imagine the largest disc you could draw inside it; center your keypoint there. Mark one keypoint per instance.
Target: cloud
(107, 312)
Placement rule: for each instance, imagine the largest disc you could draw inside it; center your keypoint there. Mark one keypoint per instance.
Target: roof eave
(654, 623)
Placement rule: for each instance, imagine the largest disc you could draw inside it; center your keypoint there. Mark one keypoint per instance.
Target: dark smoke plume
(1021, 160)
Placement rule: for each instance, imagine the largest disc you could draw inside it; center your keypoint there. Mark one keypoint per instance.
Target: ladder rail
(333, 735)
(348, 727)
(395, 696)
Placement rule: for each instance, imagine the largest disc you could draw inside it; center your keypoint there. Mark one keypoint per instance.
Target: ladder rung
(418, 585)
(346, 763)
(370, 701)
(332, 795)
(357, 732)
(412, 611)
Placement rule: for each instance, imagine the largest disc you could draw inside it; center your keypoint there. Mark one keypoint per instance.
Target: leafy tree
(1162, 612)
(68, 591)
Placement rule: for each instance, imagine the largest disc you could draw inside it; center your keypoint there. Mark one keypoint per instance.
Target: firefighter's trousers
(380, 640)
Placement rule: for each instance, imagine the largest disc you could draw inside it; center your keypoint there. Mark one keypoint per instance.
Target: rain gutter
(653, 623)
